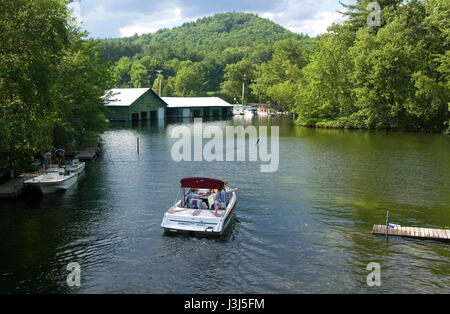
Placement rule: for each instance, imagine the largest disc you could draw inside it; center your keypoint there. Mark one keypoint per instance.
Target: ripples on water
(305, 228)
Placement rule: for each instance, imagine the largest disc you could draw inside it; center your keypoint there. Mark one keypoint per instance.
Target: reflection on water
(304, 228)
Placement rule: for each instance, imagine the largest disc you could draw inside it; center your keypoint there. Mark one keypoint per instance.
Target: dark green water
(303, 229)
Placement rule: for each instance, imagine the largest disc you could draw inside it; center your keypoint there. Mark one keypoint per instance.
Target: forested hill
(223, 30)
(212, 33)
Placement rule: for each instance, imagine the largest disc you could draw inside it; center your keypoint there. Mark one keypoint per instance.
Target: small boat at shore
(53, 180)
(250, 111)
(238, 110)
(205, 207)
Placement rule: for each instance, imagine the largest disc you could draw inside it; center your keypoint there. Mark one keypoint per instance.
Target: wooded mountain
(201, 37)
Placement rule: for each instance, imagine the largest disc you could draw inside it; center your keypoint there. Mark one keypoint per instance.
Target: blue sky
(119, 18)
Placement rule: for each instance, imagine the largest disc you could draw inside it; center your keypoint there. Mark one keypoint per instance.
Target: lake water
(305, 228)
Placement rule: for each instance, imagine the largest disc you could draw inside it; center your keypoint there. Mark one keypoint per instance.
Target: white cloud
(308, 17)
(267, 15)
(317, 25)
(130, 30)
(151, 23)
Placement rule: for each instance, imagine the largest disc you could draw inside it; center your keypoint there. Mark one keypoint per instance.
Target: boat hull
(53, 187)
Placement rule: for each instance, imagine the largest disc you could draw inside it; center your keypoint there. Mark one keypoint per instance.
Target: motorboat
(76, 166)
(53, 180)
(205, 207)
(238, 110)
(250, 111)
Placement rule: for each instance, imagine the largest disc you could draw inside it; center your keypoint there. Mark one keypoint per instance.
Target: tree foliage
(51, 81)
(392, 76)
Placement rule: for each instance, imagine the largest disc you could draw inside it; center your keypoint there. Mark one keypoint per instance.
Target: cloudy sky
(120, 18)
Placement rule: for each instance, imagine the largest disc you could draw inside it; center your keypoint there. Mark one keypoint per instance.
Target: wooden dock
(87, 154)
(413, 232)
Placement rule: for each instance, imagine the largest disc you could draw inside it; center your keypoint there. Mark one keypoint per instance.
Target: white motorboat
(76, 166)
(251, 111)
(53, 180)
(238, 110)
(206, 207)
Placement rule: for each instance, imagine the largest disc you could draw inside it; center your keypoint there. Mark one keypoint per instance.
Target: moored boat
(53, 180)
(205, 207)
(238, 110)
(251, 111)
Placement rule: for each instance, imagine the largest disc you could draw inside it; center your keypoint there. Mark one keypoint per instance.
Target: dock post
(387, 224)
(138, 145)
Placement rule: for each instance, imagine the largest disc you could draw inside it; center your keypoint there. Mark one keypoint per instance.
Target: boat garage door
(186, 113)
(172, 112)
(161, 114)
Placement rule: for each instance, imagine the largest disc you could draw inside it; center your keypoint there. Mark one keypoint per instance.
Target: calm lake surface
(303, 229)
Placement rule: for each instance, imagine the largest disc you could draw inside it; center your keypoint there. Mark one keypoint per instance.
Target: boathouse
(197, 107)
(134, 104)
(141, 104)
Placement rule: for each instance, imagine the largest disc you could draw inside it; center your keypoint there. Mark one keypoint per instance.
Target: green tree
(325, 92)
(139, 75)
(51, 81)
(234, 77)
(279, 77)
(189, 80)
(122, 78)
(83, 76)
(33, 38)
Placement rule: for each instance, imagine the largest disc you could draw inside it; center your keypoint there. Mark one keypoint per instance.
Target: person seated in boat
(193, 204)
(222, 198)
(195, 194)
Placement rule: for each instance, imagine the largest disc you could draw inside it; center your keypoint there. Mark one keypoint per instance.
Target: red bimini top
(202, 183)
